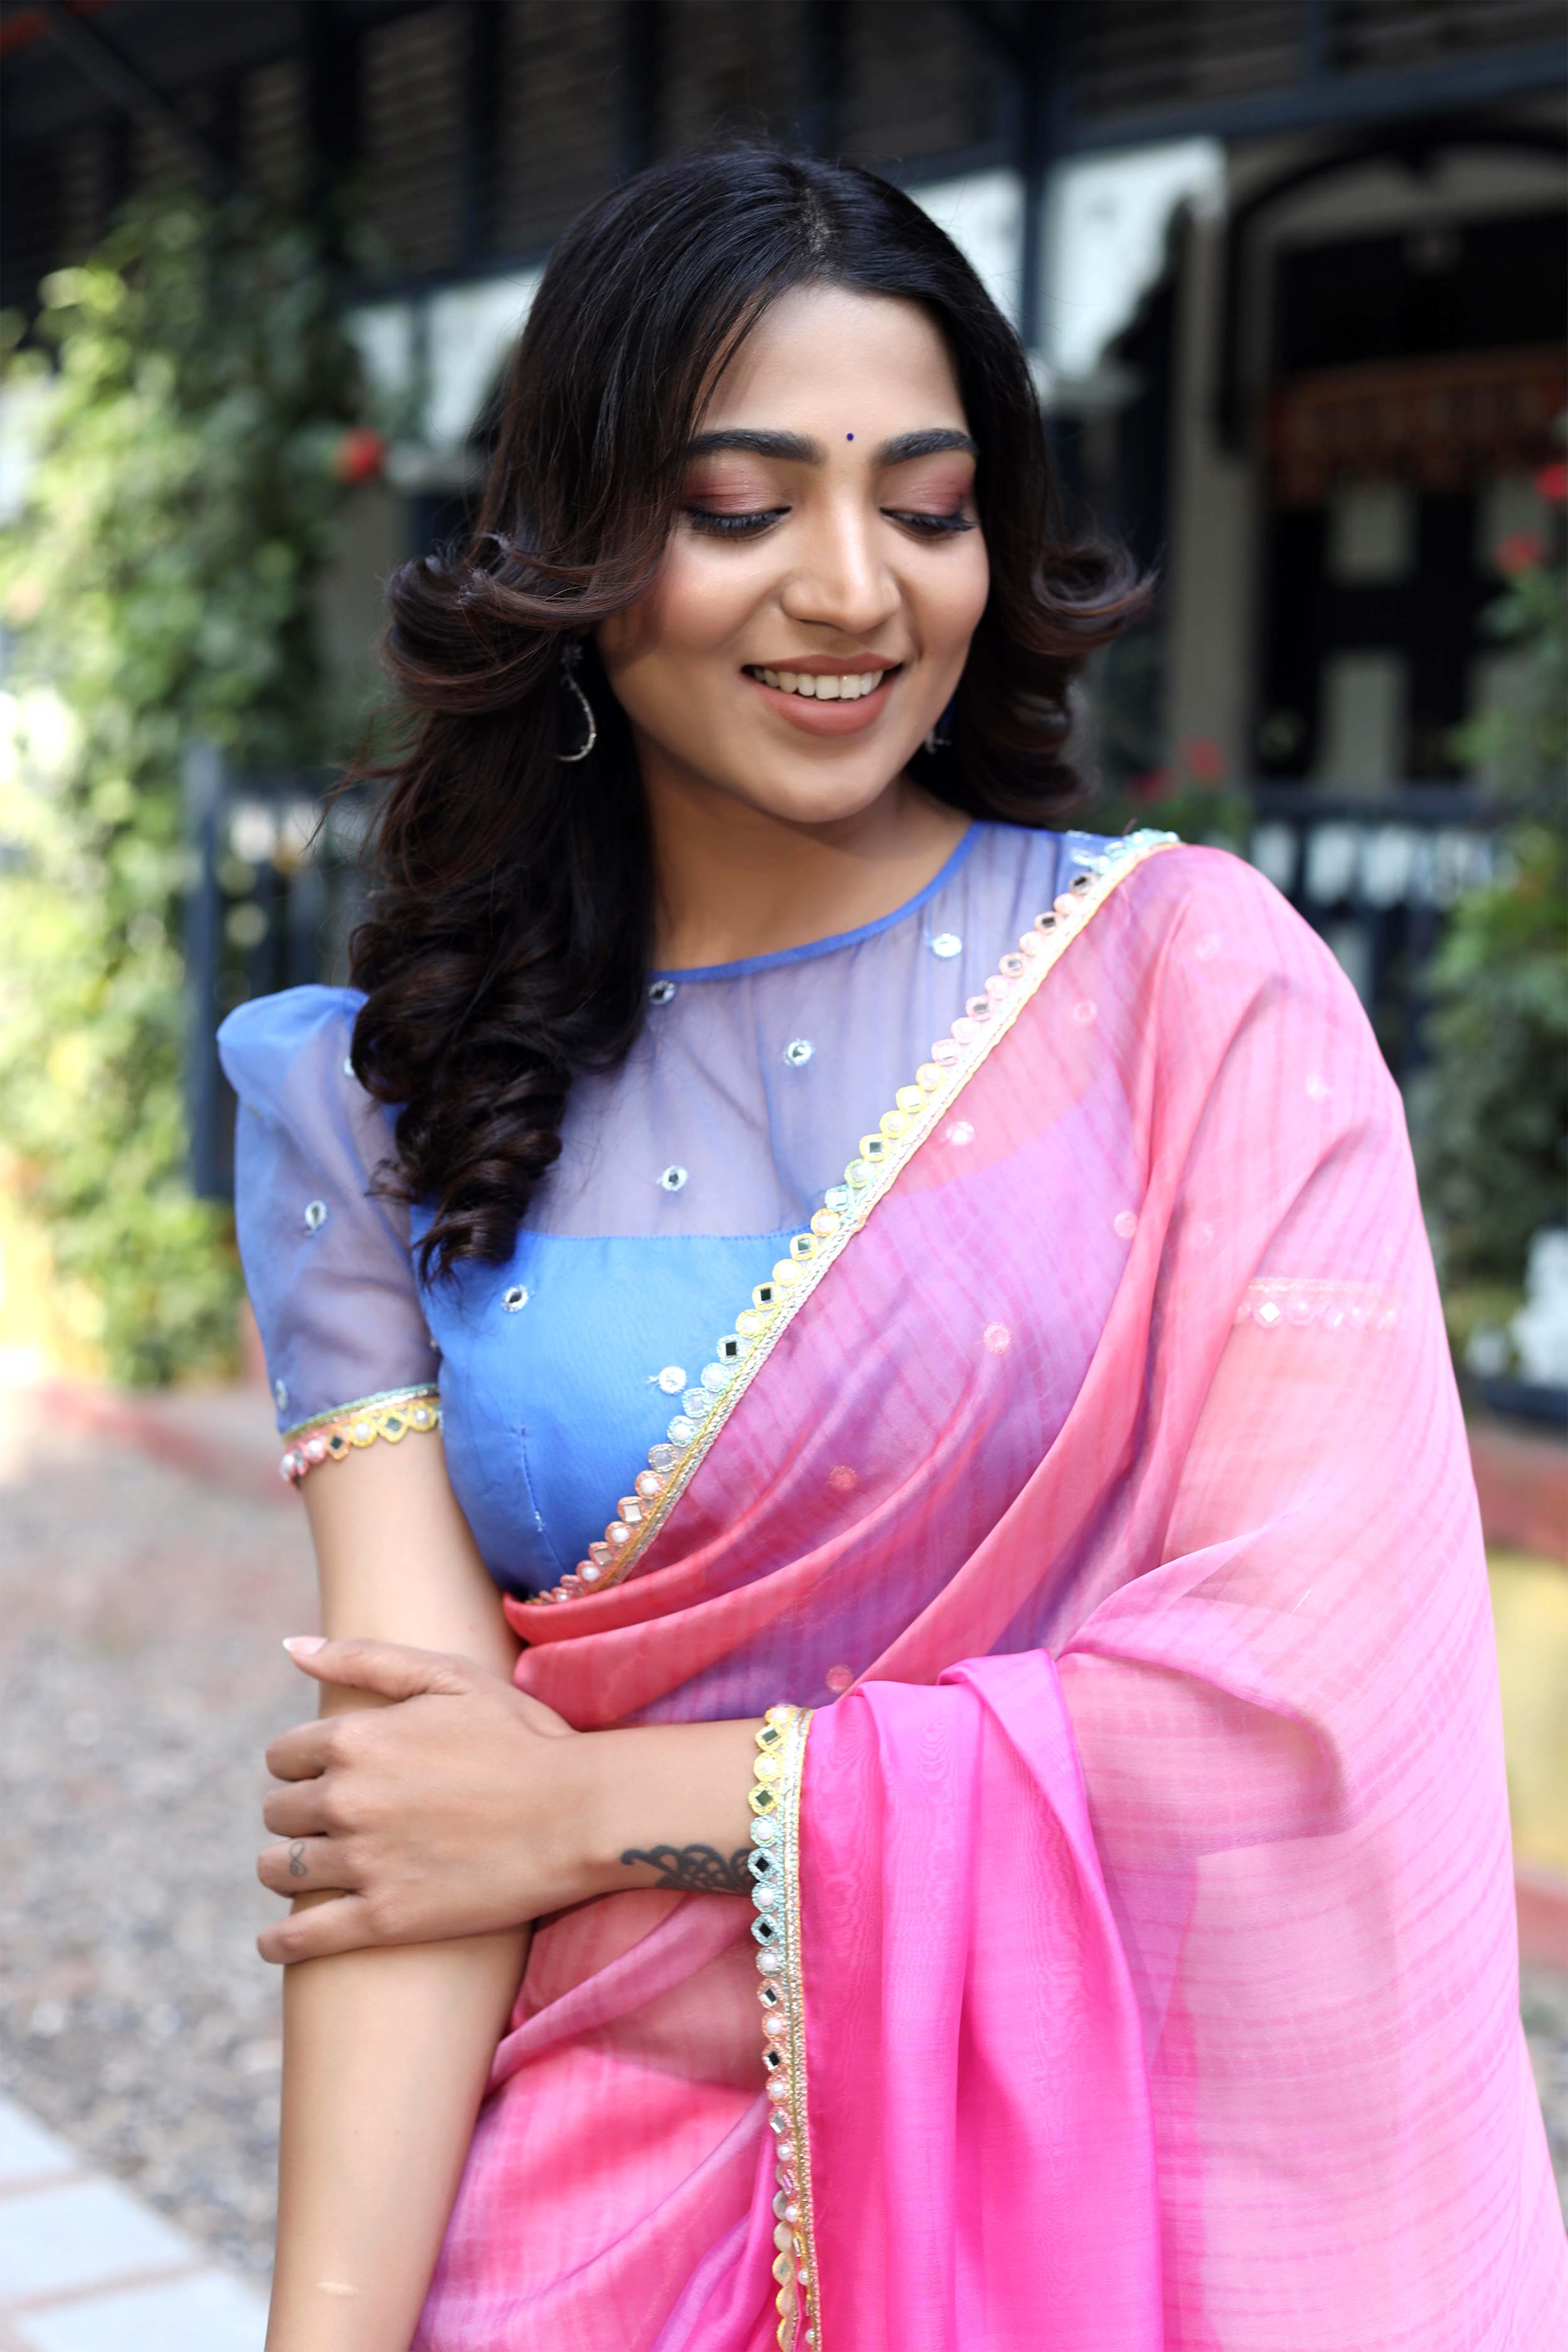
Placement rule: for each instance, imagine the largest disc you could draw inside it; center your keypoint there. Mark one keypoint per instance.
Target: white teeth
(853, 686)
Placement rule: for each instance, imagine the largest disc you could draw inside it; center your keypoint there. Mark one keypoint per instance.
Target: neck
(736, 881)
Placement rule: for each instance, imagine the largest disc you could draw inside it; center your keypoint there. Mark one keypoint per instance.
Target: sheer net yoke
(680, 1177)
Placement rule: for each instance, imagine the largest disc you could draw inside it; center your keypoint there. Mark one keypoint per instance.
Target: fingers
(299, 1809)
(343, 1925)
(304, 1866)
(389, 1668)
(302, 1752)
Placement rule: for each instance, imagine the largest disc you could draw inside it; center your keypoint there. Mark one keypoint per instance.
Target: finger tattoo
(297, 1865)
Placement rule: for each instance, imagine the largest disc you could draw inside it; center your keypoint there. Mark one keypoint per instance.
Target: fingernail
(304, 1645)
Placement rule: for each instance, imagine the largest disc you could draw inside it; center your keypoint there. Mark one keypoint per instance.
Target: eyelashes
(733, 526)
(929, 526)
(751, 526)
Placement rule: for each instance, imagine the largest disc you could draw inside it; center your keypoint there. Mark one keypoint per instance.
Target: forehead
(828, 362)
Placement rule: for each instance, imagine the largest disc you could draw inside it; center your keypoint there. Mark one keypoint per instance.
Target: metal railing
(1375, 875)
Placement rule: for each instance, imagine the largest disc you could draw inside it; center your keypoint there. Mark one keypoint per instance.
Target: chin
(820, 782)
(826, 794)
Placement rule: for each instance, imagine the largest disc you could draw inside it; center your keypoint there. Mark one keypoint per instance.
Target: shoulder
(1232, 969)
(1211, 907)
(998, 847)
(1181, 899)
(1048, 859)
(1011, 873)
(273, 1041)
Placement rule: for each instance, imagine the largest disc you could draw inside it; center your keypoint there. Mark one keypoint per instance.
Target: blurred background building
(1290, 274)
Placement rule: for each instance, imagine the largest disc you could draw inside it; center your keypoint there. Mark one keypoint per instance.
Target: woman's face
(811, 613)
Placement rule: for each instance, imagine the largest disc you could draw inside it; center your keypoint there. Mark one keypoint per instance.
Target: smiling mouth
(847, 686)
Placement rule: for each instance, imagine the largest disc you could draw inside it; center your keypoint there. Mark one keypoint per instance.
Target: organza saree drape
(1153, 1973)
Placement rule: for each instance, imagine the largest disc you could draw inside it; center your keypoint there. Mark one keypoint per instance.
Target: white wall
(1217, 500)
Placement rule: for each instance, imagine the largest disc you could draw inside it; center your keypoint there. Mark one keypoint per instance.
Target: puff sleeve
(326, 1262)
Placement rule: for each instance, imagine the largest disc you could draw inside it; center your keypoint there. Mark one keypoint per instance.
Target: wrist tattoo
(696, 1869)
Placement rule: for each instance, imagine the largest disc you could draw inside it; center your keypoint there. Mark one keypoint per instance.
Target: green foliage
(1490, 1112)
(158, 587)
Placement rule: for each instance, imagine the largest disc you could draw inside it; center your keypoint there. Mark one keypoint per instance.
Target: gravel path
(143, 1612)
(142, 1609)
(1543, 2003)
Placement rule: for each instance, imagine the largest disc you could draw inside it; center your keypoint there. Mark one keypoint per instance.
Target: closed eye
(749, 526)
(733, 526)
(929, 526)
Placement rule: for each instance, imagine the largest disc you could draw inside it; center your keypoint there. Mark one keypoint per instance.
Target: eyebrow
(796, 450)
(923, 445)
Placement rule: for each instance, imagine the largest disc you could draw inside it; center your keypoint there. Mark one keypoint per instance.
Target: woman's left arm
(466, 1807)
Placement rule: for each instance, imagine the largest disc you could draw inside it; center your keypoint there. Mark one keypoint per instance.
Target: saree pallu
(1099, 1486)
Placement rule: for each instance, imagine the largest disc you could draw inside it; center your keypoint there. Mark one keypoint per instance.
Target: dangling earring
(571, 656)
(939, 739)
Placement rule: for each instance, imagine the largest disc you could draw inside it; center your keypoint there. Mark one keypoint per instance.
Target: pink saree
(1147, 1977)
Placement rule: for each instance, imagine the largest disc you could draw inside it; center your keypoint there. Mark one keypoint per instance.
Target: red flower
(1522, 550)
(360, 456)
(1204, 760)
(1551, 483)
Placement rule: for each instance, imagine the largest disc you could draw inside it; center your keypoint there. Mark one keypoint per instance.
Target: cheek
(955, 595)
(700, 599)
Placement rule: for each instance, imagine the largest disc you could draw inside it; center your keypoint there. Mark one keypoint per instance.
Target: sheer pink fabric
(1157, 1925)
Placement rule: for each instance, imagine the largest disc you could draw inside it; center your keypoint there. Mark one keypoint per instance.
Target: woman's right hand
(467, 1806)
(457, 1811)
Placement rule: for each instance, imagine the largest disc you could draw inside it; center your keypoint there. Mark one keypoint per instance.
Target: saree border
(883, 1155)
(775, 1873)
(804, 2228)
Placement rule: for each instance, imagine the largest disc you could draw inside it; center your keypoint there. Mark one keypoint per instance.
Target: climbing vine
(1491, 1112)
(197, 404)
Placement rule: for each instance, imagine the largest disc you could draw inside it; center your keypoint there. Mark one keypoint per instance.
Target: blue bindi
(850, 436)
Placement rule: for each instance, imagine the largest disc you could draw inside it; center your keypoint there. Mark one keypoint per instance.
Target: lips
(800, 702)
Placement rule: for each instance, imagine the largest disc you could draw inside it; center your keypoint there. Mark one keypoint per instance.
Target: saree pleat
(1109, 1502)
(978, 2073)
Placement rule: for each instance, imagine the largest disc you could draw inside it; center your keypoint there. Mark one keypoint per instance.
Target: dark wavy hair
(507, 943)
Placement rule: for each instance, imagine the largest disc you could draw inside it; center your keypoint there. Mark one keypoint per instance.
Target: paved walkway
(142, 1610)
(85, 2267)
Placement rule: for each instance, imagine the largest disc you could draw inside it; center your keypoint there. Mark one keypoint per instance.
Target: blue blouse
(680, 1178)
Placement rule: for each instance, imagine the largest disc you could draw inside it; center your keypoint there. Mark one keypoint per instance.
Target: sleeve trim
(329, 1436)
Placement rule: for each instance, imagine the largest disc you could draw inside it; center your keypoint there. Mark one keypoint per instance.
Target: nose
(840, 580)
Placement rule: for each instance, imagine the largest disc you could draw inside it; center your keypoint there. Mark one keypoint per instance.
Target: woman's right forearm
(387, 2054)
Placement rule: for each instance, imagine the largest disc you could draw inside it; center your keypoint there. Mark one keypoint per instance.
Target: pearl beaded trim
(332, 1435)
(887, 1150)
(775, 1801)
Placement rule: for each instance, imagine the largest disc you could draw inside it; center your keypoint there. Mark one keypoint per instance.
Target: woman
(1040, 1646)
